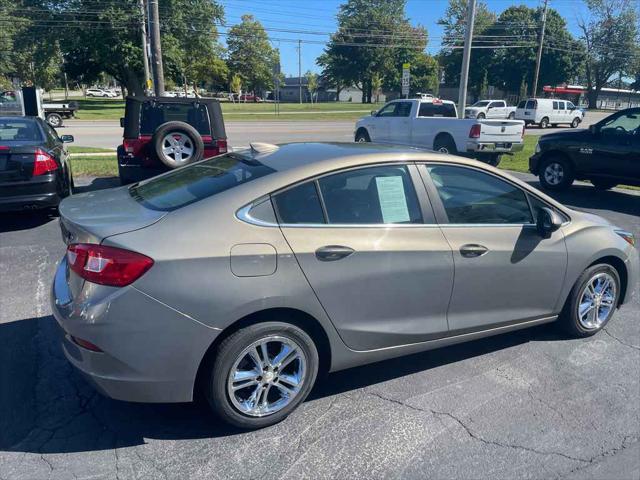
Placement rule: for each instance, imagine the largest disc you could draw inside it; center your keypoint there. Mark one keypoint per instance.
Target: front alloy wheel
(555, 174)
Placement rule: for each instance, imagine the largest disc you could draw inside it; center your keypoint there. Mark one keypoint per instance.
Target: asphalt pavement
(108, 134)
(528, 404)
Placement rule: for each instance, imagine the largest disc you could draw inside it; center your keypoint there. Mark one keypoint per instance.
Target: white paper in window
(393, 201)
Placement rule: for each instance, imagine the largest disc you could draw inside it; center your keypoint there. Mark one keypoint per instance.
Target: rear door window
(155, 114)
(198, 181)
(300, 204)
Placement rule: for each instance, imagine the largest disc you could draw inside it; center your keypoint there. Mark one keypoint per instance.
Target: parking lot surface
(529, 404)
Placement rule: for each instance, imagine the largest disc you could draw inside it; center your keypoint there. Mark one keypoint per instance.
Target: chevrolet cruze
(248, 274)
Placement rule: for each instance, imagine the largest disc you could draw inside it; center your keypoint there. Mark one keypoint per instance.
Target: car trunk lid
(16, 161)
(501, 131)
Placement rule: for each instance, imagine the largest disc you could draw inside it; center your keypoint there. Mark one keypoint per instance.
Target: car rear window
(19, 130)
(198, 181)
(437, 110)
(155, 114)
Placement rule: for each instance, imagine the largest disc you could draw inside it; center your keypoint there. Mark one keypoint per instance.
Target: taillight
(475, 131)
(43, 163)
(111, 266)
(222, 145)
(128, 145)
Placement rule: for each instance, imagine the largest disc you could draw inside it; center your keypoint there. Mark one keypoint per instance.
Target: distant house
(294, 88)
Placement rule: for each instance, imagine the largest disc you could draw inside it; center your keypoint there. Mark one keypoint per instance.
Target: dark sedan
(35, 171)
(607, 154)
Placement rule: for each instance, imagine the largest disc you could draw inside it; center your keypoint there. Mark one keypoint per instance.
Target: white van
(548, 111)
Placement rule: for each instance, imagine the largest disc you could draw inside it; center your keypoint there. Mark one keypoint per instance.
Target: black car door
(615, 151)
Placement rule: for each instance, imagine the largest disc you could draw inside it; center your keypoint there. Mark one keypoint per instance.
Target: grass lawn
(74, 149)
(519, 161)
(94, 166)
(113, 109)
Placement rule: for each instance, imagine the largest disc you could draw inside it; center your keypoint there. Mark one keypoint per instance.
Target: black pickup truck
(607, 154)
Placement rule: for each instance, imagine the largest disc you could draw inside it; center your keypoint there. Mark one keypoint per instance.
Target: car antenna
(260, 147)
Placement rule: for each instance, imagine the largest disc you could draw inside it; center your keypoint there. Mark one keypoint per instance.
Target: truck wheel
(54, 120)
(494, 160)
(575, 122)
(480, 116)
(177, 143)
(544, 123)
(362, 136)
(445, 144)
(555, 173)
(512, 115)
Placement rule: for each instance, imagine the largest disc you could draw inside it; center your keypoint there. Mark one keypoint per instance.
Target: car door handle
(472, 250)
(331, 253)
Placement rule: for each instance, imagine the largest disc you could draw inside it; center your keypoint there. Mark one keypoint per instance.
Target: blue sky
(318, 16)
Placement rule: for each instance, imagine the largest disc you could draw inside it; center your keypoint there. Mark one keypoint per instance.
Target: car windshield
(198, 181)
(19, 130)
(483, 103)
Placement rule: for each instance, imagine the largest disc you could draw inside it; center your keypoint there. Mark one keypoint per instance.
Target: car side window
(473, 197)
(624, 124)
(299, 204)
(531, 104)
(373, 195)
(387, 111)
(403, 109)
(561, 105)
(555, 105)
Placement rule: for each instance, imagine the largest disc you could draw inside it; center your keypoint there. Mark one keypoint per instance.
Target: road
(529, 404)
(108, 134)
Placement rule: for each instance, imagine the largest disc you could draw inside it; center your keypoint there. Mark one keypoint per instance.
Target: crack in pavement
(609, 453)
(635, 347)
(477, 437)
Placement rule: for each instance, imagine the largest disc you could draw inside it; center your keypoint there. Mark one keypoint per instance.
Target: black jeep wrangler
(163, 133)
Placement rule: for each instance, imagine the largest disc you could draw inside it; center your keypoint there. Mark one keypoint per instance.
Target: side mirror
(67, 138)
(122, 122)
(547, 222)
(374, 113)
(593, 129)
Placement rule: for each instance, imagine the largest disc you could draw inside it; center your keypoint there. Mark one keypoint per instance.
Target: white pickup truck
(433, 124)
(490, 109)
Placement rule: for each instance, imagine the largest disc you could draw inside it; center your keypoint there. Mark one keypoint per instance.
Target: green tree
(610, 37)
(235, 84)
(561, 57)
(373, 36)
(376, 85)
(251, 55)
(312, 83)
(424, 74)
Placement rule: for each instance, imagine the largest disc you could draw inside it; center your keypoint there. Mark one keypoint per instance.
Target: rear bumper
(494, 147)
(35, 193)
(150, 352)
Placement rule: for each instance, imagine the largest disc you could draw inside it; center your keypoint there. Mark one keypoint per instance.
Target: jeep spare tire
(177, 144)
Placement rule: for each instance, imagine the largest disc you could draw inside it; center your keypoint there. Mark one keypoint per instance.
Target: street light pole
(145, 48)
(539, 56)
(466, 57)
(300, 71)
(156, 48)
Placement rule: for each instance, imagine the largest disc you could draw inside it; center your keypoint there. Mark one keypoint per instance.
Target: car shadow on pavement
(585, 196)
(25, 219)
(90, 184)
(47, 407)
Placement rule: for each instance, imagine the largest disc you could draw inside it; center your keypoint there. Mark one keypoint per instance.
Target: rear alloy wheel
(261, 373)
(445, 145)
(603, 184)
(555, 174)
(54, 120)
(575, 122)
(592, 301)
(544, 123)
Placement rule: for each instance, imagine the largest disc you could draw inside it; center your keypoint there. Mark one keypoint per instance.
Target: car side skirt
(347, 358)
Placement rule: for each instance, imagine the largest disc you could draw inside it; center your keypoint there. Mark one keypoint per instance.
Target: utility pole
(156, 48)
(466, 56)
(299, 71)
(145, 49)
(539, 56)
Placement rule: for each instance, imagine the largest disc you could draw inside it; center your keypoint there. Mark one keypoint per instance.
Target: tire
(544, 123)
(588, 324)
(493, 160)
(54, 120)
(480, 116)
(556, 173)
(232, 353)
(124, 178)
(511, 116)
(180, 136)
(603, 185)
(444, 144)
(362, 136)
(575, 122)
